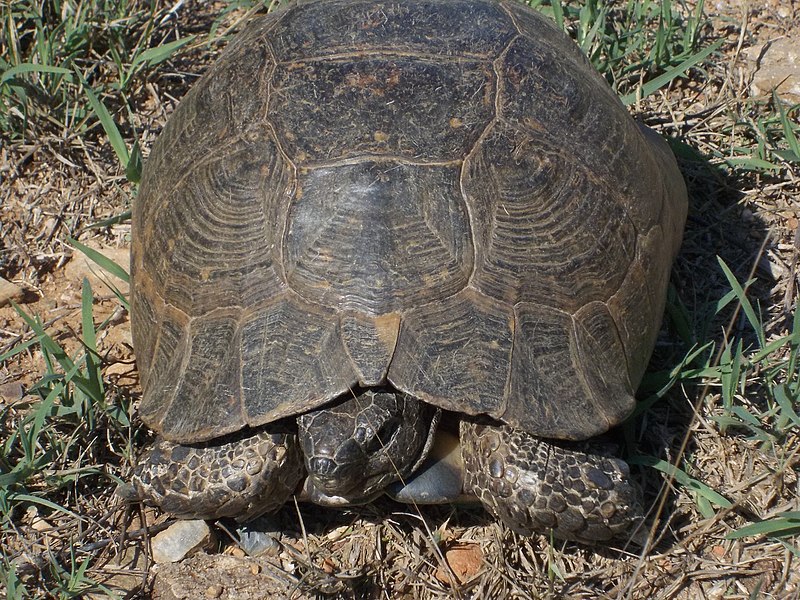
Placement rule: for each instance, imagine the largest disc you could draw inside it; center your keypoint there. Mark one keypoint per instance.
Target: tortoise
(369, 214)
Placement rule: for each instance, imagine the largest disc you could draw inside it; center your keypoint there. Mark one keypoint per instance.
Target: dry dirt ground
(54, 189)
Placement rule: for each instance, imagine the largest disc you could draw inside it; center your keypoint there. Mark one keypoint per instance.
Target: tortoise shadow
(718, 228)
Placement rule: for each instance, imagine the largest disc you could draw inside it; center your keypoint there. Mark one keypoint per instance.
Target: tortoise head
(357, 447)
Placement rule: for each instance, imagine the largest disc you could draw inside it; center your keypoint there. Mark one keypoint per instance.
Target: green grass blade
(109, 126)
(558, 13)
(730, 297)
(683, 478)
(751, 164)
(22, 68)
(783, 525)
(46, 503)
(786, 404)
(87, 321)
(49, 346)
(787, 155)
(158, 54)
(679, 317)
(755, 323)
(89, 335)
(788, 129)
(44, 409)
(70, 368)
(665, 78)
(101, 260)
(773, 346)
(84, 385)
(133, 170)
(730, 372)
(15, 589)
(122, 217)
(17, 349)
(747, 417)
(591, 34)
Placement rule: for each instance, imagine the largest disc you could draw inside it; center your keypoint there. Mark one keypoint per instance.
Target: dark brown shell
(438, 194)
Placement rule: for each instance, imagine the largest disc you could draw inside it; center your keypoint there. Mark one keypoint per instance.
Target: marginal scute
(634, 313)
(601, 358)
(147, 311)
(455, 354)
(206, 401)
(293, 359)
(638, 306)
(370, 343)
(547, 391)
(657, 265)
(169, 346)
(673, 208)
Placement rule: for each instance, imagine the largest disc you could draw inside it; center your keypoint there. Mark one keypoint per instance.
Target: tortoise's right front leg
(242, 475)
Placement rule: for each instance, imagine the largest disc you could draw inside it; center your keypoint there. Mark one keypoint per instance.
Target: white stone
(81, 266)
(9, 291)
(179, 540)
(777, 68)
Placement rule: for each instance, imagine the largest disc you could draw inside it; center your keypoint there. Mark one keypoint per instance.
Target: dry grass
(65, 534)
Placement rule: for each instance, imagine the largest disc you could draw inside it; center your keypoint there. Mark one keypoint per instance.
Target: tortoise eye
(366, 437)
(362, 434)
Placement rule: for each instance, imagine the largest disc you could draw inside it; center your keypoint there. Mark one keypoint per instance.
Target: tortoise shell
(436, 195)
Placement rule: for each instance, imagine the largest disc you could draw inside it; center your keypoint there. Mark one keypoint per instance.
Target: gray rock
(777, 68)
(179, 540)
(260, 536)
(10, 291)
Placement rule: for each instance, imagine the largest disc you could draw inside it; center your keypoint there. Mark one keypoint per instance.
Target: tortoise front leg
(537, 486)
(242, 475)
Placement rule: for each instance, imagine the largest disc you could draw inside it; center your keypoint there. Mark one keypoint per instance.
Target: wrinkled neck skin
(354, 449)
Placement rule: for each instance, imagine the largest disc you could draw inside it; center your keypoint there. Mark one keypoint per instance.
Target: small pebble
(11, 392)
(179, 540)
(259, 536)
(9, 291)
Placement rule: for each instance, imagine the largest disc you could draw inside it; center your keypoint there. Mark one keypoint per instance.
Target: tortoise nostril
(320, 465)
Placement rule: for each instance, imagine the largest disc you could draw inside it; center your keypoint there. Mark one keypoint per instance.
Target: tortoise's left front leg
(537, 486)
